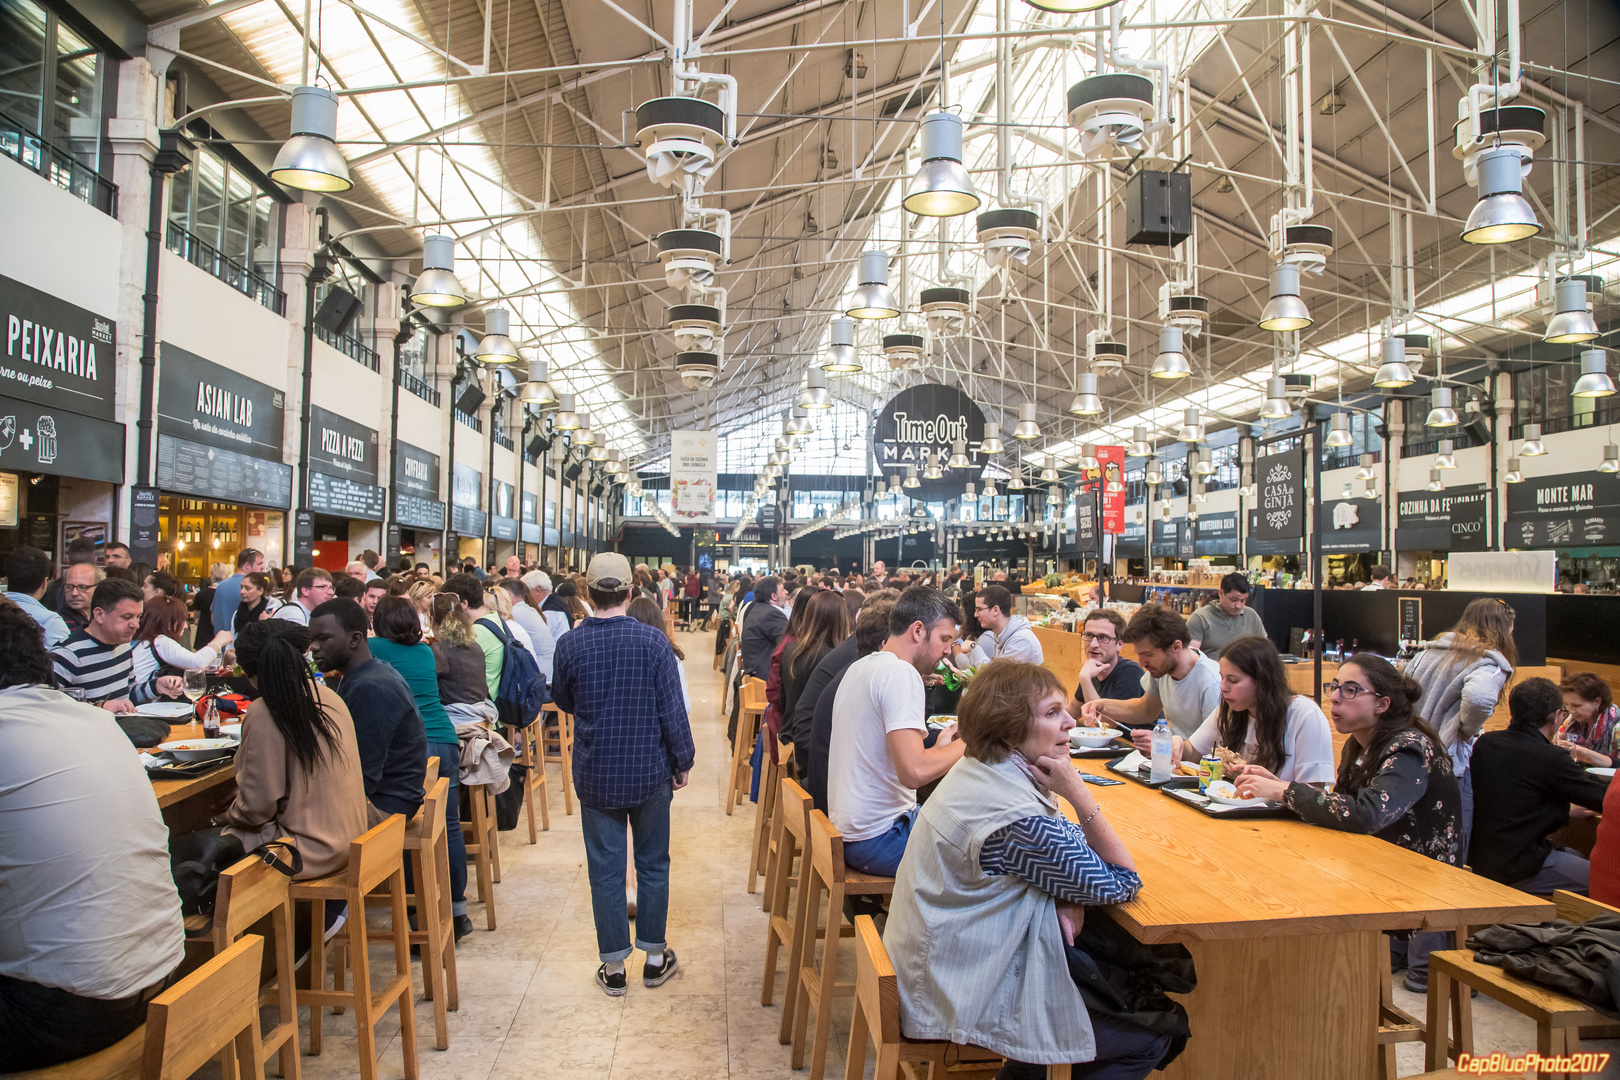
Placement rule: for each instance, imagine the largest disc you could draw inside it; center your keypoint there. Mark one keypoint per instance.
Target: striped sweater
(105, 672)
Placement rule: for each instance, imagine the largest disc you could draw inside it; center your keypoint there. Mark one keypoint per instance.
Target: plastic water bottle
(1161, 751)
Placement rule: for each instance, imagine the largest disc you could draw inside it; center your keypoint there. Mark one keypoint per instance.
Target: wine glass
(196, 684)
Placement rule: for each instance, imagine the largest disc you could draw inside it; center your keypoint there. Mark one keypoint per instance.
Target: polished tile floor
(530, 1007)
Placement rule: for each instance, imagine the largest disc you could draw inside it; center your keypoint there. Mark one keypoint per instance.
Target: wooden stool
(215, 1007)
(818, 983)
(877, 1015)
(531, 754)
(770, 778)
(1561, 1022)
(1396, 1025)
(427, 846)
(120, 1061)
(559, 747)
(792, 819)
(749, 718)
(250, 891)
(377, 856)
(483, 846)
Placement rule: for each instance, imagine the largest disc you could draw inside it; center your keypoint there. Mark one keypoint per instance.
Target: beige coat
(323, 811)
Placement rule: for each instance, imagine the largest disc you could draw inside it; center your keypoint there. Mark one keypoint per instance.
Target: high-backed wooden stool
(248, 892)
(877, 1016)
(427, 847)
(557, 745)
(773, 769)
(818, 980)
(792, 819)
(751, 713)
(1396, 1025)
(531, 755)
(1561, 1022)
(378, 856)
(478, 832)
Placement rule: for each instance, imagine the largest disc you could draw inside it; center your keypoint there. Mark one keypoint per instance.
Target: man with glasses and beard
(1105, 673)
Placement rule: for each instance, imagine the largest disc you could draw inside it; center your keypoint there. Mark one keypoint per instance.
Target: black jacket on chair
(762, 629)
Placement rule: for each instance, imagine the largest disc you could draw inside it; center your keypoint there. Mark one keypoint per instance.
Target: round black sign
(927, 419)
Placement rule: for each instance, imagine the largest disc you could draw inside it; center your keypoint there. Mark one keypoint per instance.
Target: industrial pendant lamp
(1192, 426)
(600, 451)
(1435, 482)
(496, 347)
(583, 435)
(1392, 371)
(815, 395)
(436, 285)
(1140, 446)
(1201, 465)
(801, 421)
(1532, 445)
(1285, 310)
(1502, 215)
(933, 470)
(1171, 363)
(1441, 414)
(942, 187)
(959, 455)
(1276, 406)
(1016, 481)
(1027, 427)
(911, 480)
(310, 159)
(991, 443)
(1069, 7)
(1514, 474)
(1571, 323)
(566, 419)
(1339, 431)
(1366, 471)
(1594, 380)
(1088, 457)
(1054, 496)
(1370, 488)
(537, 391)
(989, 487)
(1154, 473)
(1086, 402)
(1611, 458)
(1049, 474)
(871, 298)
(841, 356)
(1447, 456)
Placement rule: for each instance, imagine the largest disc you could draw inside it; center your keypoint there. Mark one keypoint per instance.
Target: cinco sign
(927, 419)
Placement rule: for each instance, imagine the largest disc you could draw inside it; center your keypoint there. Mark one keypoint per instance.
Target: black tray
(172, 769)
(1141, 776)
(1110, 751)
(1206, 805)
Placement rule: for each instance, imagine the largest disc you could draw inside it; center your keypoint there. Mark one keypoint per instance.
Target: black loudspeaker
(537, 446)
(597, 488)
(470, 399)
(571, 472)
(338, 310)
(1480, 430)
(1158, 208)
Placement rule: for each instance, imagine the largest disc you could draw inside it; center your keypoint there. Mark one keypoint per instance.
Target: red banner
(1111, 473)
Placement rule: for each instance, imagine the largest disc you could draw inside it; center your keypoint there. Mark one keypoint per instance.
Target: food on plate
(1187, 768)
(1091, 722)
(1223, 789)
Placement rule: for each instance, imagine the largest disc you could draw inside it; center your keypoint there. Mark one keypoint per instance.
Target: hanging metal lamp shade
(1140, 445)
(1339, 431)
(1393, 371)
(1086, 402)
(496, 346)
(310, 159)
(1594, 380)
(1028, 427)
(1088, 457)
(841, 356)
(1514, 474)
(911, 480)
(1276, 406)
(1571, 323)
(815, 394)
(1285, 310)
(991, 443)
(566, 419)
(801, 421)
(871, 298)
(1611, 459)
(1436, 481)
(1502, 214)
(1441, 414)
(1049, 474)
(1532, 445)
(933, 471)
(959, 455)
(1171, 363)
(583, 435)
(537, 391)
(1446, 457)
(942, 186)
(436, 285)
(1192, 426)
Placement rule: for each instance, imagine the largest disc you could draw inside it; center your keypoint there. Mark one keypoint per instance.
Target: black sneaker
(659, 975)
(613, 984)
(463, 926)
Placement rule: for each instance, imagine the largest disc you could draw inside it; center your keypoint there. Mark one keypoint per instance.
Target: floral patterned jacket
(1411, 800)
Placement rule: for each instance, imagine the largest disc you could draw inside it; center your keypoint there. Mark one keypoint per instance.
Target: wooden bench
(1561, 1022)
(772, 770)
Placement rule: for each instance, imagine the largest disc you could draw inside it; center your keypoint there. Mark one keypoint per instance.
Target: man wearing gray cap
(632, 750)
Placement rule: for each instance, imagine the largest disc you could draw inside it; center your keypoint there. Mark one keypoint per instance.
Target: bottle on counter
(1160, 769)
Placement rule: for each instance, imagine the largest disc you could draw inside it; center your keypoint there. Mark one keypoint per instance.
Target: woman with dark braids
(298, 771)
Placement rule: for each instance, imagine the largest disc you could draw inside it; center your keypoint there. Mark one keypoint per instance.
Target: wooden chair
(557, 745)
(248, 892)
(378, 856)
(427, 846)
(770, 779)
(531, 754)
(120, 1061)
(818, 982)
(750, 719)
(1396, 1025)
(483, 846)
(877, 1016)
(1561, 1022)
(792, 819)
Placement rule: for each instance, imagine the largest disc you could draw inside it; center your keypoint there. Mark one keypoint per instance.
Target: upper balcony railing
(199, 253)
(419, 388)
(58, 166)
(349, 346)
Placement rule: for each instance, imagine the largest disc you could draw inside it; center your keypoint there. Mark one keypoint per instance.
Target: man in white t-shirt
(1181, 682)
(877, 757)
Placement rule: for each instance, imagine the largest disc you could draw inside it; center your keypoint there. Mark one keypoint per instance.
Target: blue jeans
(449, 755)
(605, 858)
(881, 854)
(1124, 1052)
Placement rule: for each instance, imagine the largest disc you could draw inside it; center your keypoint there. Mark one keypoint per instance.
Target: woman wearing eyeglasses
(1394, 778)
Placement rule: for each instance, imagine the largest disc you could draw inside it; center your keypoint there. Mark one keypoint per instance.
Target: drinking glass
(196, 684)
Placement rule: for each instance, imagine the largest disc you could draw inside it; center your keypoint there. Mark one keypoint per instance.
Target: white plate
(1231, 800)
(231, 731)
(1607, 774)
(166, 710)
(198, 749)
(1092, 738)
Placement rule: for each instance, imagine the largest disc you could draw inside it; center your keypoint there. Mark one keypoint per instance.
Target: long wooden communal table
(189, 805)
(1283, 920)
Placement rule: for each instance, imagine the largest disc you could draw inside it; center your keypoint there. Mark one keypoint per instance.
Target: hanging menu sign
(503, 528)
(1186, 539)
(202, 402)
(1352, 525)
(340, 447)
(416, 488)
(1470, 521)
(1218, 534)
(344, 498)
(1567, 510)
(1281, 507)
(1166, 538)
(57, 355)
(1425, 519)
(209, 472)
(1085, 523)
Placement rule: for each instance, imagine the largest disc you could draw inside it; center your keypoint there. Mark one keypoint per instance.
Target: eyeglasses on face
(1106, 639)
(77, 588)
(1347, 691)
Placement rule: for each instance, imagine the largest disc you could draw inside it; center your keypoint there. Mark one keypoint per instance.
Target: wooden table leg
(1280, 1008)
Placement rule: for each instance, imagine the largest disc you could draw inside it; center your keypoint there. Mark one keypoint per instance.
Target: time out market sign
(926, 419)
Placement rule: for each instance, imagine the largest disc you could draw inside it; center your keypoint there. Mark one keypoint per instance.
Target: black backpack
(523, 685)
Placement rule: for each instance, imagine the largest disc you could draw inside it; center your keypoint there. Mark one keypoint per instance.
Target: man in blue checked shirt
(632, 751)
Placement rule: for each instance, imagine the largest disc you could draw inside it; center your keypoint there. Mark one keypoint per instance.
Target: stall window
(52, 86)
